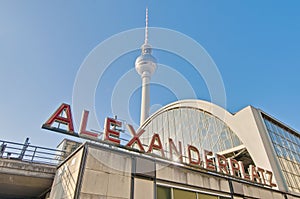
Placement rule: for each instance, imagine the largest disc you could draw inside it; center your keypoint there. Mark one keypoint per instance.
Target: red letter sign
(178, 153)
(57, 117)
(136, 137)
(254, 174)
(208, 162)
(191, 160)
(234, 167)
(243, 172)
(112, 135)
(269, 177)
(221, 163)
(83, 124)
(158, 146)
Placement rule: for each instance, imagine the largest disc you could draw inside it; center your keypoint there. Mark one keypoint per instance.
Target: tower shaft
(145, 101)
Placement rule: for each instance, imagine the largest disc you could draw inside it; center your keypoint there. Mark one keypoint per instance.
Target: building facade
(99, 171)
(188, 149)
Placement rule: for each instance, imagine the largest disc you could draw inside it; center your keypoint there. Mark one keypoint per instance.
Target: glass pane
(206, 196)
(191, 126)
(279, 140)
(278, 150)
(183, 194)
(267, 124)
(273, 137)
(163, 192)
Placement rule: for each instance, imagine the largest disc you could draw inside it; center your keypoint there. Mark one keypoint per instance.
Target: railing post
(2, 149)
(33, 154)
(23, 151)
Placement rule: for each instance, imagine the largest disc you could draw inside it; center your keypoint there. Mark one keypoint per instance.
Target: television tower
(145, 65)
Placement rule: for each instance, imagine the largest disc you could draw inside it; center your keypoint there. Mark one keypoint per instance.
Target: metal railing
(30, 153)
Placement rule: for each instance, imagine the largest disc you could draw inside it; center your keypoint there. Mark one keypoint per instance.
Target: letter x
(135, 138)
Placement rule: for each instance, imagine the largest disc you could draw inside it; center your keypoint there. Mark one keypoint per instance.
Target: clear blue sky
(255, 44)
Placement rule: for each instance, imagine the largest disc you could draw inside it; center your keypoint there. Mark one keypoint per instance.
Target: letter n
(177, 152)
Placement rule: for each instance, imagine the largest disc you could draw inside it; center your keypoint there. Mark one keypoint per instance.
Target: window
(183, 194)
(286, 145)
(175, 193)
(205, 196)
(163, 192)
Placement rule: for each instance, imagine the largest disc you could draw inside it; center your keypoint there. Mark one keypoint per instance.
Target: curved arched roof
(245, 124)
(192, 122)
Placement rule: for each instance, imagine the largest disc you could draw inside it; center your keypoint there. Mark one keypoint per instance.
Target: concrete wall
(65, 181)
(187, 178)
(120, 174)
(256, 192)
(143, 189)
(20, 179)
(106, 175)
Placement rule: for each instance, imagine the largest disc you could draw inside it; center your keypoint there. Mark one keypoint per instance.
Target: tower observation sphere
(145, 65)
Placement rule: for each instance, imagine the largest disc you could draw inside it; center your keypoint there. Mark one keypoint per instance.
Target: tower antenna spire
(145, 65)
(146, 27)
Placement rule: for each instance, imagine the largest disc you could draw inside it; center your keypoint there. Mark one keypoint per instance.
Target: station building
(187, 149)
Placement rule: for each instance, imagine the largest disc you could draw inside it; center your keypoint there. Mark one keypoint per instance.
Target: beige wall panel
(206, 182)
(91, 196)
(276, 195)
(164, 172)
(143, 189)
(292, 197)
(171, 173)
(65, 180)
(145, 167)
(251, 191)
(265, 193)
(238, 188)
(108, 161)
(224, 185)
(106, 173)
(195, 179)
(214, 183)
(118, 186)
(95, 182)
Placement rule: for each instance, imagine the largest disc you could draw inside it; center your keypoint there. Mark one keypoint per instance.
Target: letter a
(57, 117)
(158, 146)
